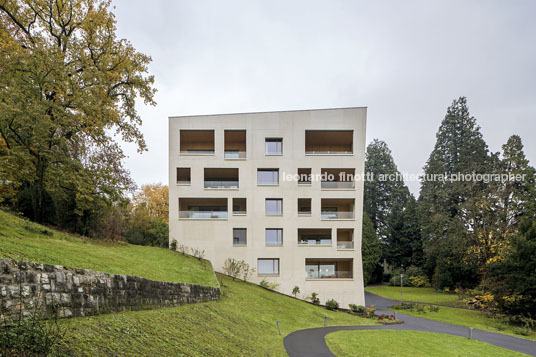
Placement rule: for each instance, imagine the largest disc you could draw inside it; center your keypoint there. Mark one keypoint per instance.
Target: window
(274, 146)
(304, 206)
(239, 206)
(314, 236)
(329, 142)
(274, 206)
(267, 176)
(304, 176)
(328, 268)
(183, 176)
(239, 236)
(274, 236)
(268, 266)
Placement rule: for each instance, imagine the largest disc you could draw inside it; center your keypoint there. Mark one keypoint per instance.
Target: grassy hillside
(242, 323)
(426, 295)
(409, 343)
(21, 239)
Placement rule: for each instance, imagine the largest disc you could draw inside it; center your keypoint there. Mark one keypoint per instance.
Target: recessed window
(268, 176)
(274, 206)
(239, 206)
(274, 236)
(304, 176)
(267, 266)
(239, 236)
(183, 176)
(274, 146)
(304, 207)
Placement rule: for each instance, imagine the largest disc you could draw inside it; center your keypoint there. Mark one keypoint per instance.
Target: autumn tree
(68, 88)
(148, 217)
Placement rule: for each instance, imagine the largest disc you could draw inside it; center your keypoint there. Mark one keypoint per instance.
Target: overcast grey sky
(405, 60)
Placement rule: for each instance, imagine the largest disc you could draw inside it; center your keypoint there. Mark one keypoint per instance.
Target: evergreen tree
(451, 211)
(371, 251)
(383, 195)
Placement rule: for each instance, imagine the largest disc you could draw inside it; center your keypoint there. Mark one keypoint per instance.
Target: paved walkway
(311, 342)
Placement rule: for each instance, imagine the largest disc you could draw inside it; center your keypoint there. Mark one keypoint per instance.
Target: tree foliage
(371, 250)
(68, 88)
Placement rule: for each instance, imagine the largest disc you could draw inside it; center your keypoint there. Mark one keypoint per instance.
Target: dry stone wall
(68, 292)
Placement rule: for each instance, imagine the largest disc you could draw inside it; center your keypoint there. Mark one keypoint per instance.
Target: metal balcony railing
(328, 152)
(203, 214)
(197, 152)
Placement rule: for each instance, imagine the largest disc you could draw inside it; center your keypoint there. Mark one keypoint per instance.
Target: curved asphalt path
(312, 343)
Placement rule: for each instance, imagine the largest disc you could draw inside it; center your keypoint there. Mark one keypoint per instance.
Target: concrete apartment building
(233, 193)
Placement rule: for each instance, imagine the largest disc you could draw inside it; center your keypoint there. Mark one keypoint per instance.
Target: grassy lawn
(427, 295)
(408, 343)
(471, 318)
(242, 323)
(21, 239)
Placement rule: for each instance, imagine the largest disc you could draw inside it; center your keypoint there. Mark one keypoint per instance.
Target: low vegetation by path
(408, 343)
(25, 240)
(471, 318)
(425, 295)
(242, 323)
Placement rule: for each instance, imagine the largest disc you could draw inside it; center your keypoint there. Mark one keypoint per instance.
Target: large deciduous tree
(68, 88)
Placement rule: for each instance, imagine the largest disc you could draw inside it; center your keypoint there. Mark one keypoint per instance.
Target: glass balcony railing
(197, 152)
(345, 245)
(203, 214)
(337, 184)
(339, 274)
(232, 154)
(337, 215)
(328, 152)
(221, 184)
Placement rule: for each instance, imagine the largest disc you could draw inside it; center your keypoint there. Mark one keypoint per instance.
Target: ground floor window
(268, 266)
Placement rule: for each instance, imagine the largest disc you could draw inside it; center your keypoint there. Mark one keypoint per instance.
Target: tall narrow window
(268, 176)
(268, 266)
(274, 236)
(274, 146)
(274, 206)
(239, 236)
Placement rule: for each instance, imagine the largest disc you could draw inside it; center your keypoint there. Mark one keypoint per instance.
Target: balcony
(321, 268)
(197, 142)
(304, 176)
(329, 142)
(239, 206)
(338, 179)
(304, 207)
(314, 237)
(235, 144)
(203, 208)
(221, 178)
(345, 238)
(184, 176)
(337, 208)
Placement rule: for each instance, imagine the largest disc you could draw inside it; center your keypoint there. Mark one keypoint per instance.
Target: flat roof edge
(266, 112)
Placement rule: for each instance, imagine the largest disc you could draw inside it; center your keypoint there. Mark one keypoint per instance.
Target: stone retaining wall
(71, 292)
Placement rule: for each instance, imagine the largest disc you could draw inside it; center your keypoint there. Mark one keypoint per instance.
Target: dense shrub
(314, 298)
(332, 305)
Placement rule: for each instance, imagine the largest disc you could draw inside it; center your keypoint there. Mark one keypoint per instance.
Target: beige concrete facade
(335, 141)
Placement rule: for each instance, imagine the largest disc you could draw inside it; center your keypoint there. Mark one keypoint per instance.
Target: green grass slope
(426, 295)
(24, 240)
(242, 323)
(408, 343)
